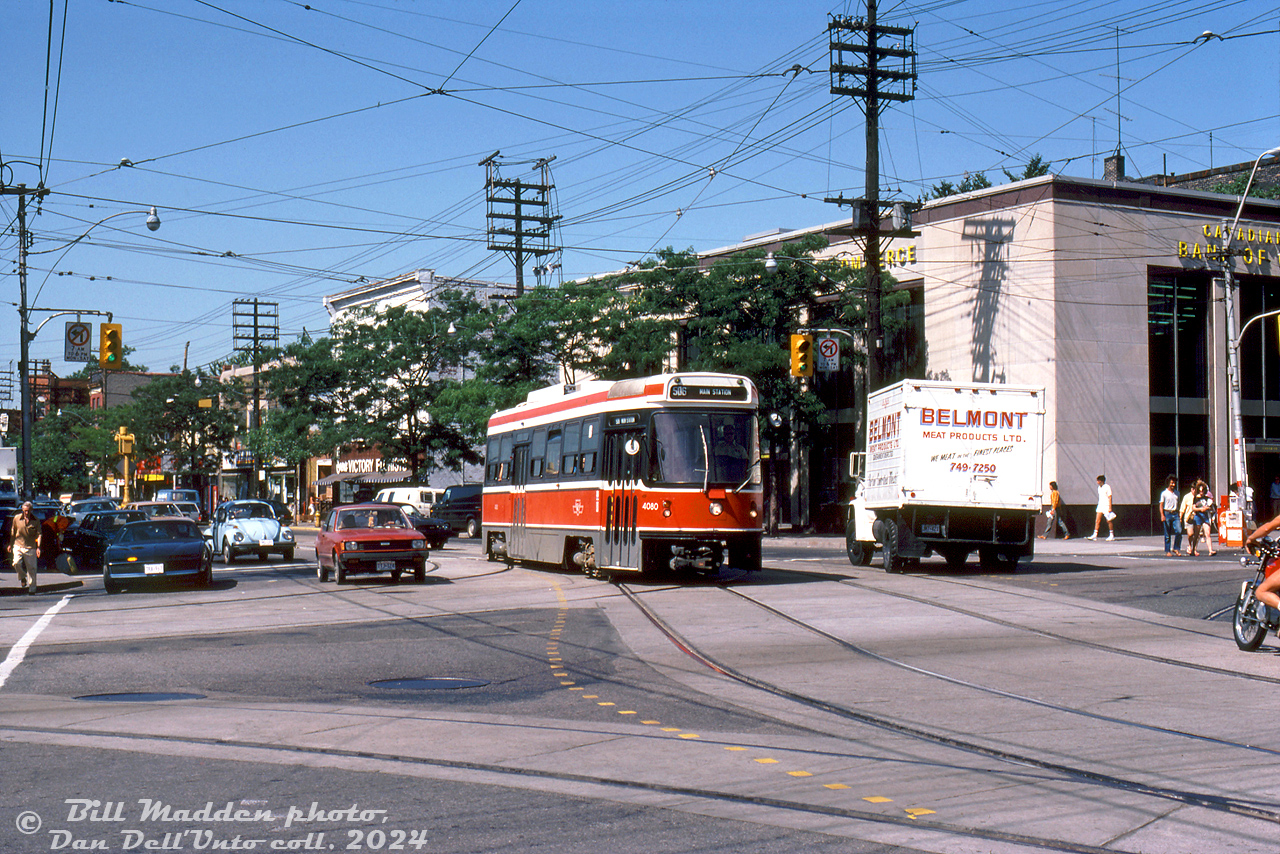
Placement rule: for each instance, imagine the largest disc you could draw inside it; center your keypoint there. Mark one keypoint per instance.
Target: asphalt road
(1083, 703)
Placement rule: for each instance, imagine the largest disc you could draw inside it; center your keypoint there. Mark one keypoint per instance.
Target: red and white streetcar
(639, 475)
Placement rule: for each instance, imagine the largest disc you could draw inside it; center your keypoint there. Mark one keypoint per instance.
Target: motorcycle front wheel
(1249, 632)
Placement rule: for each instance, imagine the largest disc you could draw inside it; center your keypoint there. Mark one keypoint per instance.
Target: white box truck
(951, 468)
(8, 477)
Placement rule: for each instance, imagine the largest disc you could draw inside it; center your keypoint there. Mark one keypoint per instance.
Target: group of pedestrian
(1103, 512)
(1192, 512)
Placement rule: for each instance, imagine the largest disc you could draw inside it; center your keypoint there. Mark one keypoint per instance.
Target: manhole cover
(443, 683)
(141, 697)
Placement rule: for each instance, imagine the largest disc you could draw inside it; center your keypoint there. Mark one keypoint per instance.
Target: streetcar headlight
(666, 508)
(716, 508)
(754, 511)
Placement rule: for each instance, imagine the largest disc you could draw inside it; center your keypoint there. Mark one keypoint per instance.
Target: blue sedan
(157, 549)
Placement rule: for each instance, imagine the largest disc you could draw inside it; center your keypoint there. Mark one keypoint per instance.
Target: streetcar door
(519, 543)
(624, 454)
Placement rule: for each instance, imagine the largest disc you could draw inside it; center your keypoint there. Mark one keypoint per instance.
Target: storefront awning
(334, 478)
(365, 477)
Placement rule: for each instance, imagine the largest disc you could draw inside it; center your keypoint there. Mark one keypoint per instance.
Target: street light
(1240, 475)
(24, 314)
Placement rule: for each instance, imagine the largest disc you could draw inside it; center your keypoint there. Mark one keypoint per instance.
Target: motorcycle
(1252, 619)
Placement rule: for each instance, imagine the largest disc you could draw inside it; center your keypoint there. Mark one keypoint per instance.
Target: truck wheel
(995, 560)
(859, 552)
(956, 558)
(889, 549)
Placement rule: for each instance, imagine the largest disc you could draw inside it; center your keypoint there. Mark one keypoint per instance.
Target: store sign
(1254, 245)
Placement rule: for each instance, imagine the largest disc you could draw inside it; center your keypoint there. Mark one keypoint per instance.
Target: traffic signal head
(110, 347)
(801, 355)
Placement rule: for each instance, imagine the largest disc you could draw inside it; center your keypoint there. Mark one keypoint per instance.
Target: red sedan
(364, 538)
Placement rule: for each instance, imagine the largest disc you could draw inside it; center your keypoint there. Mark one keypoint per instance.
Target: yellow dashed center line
(836, 786)
(877, 799)
(799, 774)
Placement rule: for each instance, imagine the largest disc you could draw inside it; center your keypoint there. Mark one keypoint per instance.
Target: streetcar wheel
(745, 557)
(892, 561)
(1248, 630)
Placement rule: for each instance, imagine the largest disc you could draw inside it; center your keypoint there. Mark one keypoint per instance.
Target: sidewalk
(1145, 546)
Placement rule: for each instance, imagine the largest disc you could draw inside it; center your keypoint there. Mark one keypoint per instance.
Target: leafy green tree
(1259, 190)
(1035, 167)
(397, 364)
(71, 450)
(91, 370)
(169, 420)
(305, 381)
(970, 182)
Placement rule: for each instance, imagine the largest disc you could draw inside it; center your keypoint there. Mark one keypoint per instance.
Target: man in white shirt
(1168, 507)
(1104, 511)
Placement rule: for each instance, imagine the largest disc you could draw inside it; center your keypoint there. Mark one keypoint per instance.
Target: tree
(71, 450)
(396, 366)
(169, 420)
(970, 182)
(1259, 190)
(1035, 167)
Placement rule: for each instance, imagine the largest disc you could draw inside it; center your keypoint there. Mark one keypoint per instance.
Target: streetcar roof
(661, 389)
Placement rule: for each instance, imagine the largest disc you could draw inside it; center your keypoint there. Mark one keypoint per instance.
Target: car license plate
(153, 569)
(266, 544)
(386, 566)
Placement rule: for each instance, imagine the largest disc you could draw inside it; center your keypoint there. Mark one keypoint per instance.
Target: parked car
(158, 548)
(156, 508)
(79, 509)
(362, 538)
(192, 495)
(459, 505)
(191, 510)
(421, 497)
(283, 512)
(436, 531)
(249, 527)
(85, 543)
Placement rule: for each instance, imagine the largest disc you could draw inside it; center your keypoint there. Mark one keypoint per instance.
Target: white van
(419, 496)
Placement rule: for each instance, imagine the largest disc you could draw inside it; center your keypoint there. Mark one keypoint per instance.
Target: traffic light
(110, 347)
(801, 355)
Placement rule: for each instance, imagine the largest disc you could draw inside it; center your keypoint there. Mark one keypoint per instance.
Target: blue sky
(293, 150)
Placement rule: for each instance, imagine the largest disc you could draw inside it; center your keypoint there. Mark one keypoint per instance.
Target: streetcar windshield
(705, 448)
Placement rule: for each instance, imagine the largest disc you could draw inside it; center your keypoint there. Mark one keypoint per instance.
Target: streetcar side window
(587, 462)
(504, 459)
(569, 460)
(555, 442)
(538, 452)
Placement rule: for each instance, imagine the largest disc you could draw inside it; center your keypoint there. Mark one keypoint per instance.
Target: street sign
(77, 343)
(828, 354)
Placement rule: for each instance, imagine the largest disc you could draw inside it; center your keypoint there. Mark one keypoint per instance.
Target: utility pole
(253, 324)
(520, 214)
(24, 337)
(863, 74)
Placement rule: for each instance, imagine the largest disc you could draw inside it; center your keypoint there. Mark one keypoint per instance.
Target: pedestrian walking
(1201, 517)
(1167, 505)
(1275, 496)
(24, 538)
(1053, 519)
(1104, 510)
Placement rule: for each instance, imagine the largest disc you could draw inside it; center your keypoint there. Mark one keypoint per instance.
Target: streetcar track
(987, 689)
(1144, 656)
(697, 793)
(1217, 803)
